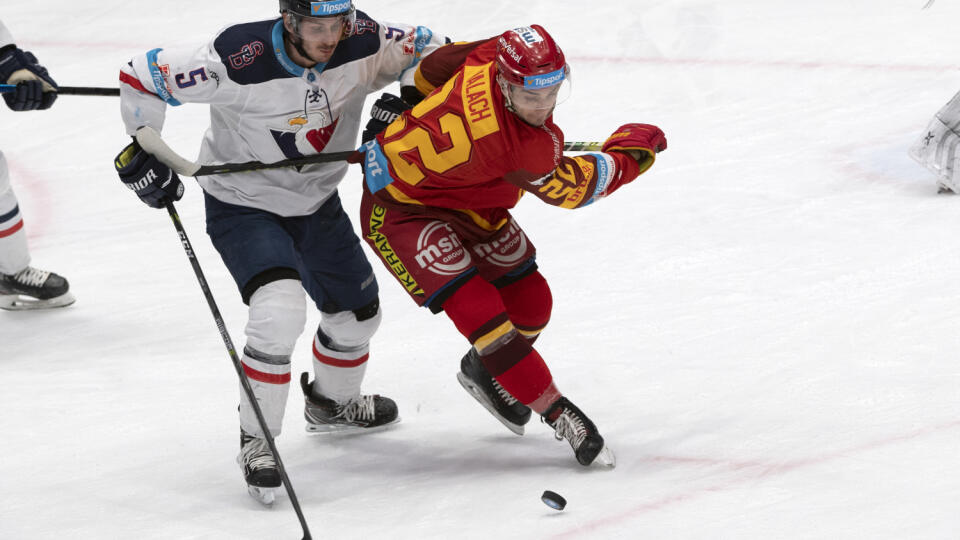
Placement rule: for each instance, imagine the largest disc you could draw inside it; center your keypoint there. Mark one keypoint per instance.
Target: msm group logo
(508, 249)
(440, 250)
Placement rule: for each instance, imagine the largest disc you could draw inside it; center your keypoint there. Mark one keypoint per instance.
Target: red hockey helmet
(531, 73)
(528, 57)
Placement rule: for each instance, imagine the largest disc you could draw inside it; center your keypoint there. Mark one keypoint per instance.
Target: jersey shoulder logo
(248, 53)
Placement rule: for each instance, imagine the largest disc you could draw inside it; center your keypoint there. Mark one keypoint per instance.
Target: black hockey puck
(553, 500)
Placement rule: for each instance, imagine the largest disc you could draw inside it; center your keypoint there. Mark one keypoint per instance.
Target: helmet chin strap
(505, 90)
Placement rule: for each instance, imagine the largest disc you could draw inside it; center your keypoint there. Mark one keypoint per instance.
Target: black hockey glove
(384, 111)
(35, 88)
(151, 180)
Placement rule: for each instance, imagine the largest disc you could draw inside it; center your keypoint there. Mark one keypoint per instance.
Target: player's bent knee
(277, 317)
(529, 303)
(348, 330)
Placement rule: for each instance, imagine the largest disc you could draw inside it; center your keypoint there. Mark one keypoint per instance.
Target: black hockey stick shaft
(72, 90)
(204, 170)
(89, 91)
(244, 381)
(330, 157)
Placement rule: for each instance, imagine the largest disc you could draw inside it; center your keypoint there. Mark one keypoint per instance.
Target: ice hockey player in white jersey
(938, 148)
(21, 285)
(279, 89)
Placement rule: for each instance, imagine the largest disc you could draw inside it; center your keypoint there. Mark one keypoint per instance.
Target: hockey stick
(71, 90)
(244, 382)
(151, 141)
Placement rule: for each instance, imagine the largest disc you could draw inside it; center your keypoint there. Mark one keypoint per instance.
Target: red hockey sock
(528, 302)
(479, 313)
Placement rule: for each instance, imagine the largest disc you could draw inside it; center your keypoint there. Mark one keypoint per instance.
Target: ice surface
(764, 326)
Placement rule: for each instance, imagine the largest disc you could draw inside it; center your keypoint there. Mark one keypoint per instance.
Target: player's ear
(288, 23)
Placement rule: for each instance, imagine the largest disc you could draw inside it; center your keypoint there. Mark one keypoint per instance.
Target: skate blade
(15, 302)
(605, 458)
(341, 429)
(481, 398)
(263, 495)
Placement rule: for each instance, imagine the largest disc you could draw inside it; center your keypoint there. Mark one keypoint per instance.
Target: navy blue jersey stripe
(9, 215)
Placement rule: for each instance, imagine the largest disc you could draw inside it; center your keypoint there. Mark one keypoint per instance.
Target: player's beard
(297, 43)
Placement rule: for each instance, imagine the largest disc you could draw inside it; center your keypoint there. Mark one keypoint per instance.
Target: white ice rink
(765, 327)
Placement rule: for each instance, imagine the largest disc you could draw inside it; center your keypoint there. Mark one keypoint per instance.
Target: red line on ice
(754, 470)
(706, 62)
(746, 63)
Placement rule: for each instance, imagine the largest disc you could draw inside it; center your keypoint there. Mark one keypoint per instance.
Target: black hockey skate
(259, 468)
(31, 288)
(363, 414)
(476, 380)
(571, 424)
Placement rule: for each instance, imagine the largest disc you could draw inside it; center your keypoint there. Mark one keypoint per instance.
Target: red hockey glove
(642, 141)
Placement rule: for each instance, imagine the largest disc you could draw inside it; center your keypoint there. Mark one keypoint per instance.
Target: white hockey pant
(341, 347)
(14, 256)
(277, 317)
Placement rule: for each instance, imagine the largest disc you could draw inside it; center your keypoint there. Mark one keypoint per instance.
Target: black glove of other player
(35, 88)
(151, 180)
(384, 111)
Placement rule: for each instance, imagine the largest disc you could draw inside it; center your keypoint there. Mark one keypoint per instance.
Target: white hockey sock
(14, 256)
(338, 373)
(270, 379)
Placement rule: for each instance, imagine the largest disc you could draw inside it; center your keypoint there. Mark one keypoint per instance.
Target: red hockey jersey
(462, 155)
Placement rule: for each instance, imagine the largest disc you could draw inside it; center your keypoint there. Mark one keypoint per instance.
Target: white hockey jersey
(266, 108)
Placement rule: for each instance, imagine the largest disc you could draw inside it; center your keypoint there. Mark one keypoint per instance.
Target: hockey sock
(13, 239)
(275, 319)
(270, 380)
(338, 370)
(528, 302)
(479, 313)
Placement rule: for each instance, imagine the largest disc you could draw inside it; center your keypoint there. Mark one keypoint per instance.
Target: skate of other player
(938, 147)
(439, 183)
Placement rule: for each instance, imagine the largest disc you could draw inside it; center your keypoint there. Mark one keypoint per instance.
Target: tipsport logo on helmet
(322, 9)
(544, 79)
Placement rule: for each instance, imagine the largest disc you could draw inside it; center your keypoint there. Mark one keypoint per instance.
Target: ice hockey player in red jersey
(439, 183)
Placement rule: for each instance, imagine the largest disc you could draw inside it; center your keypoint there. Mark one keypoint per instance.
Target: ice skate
(363, 414)
(571, 424)
(476, 380)
(31, 288)
(259, 468)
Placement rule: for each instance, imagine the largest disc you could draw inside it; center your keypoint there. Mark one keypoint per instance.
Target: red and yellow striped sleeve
(579, 181)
